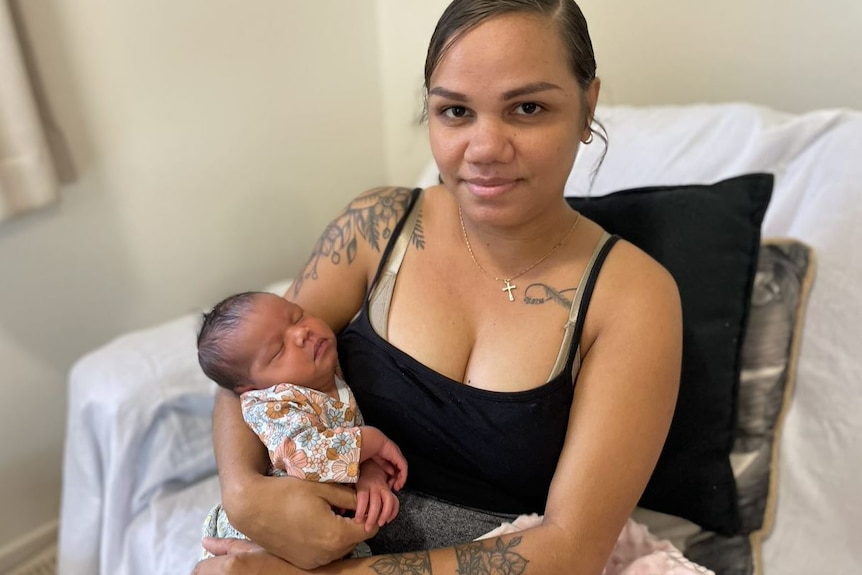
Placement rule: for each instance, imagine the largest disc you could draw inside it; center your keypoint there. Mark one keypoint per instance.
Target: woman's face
(505, 118)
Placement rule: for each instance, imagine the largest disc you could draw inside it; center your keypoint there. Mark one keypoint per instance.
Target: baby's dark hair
(214, 341)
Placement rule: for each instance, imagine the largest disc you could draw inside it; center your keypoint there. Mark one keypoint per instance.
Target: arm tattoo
(372, 217)
(418, 563)
(490, 557)
(537, 294)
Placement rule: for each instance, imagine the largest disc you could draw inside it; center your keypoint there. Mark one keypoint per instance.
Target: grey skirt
(424, 522)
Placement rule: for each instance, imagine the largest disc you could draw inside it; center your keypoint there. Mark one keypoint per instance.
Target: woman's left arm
(624, 400)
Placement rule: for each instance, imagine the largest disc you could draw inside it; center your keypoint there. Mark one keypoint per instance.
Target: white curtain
(27, 176)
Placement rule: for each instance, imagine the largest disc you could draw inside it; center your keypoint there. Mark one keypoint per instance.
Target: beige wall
(793, 55)
(405, 28)
(213, 139)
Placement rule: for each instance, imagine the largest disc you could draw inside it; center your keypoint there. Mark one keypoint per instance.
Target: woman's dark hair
(461, 16)
(214, 342)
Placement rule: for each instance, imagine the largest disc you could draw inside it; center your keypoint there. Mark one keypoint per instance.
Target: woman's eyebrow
(529, 89)
(509, 95)
(448, 94)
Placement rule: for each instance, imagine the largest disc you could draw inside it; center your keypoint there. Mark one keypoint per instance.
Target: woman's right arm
(292, 518)
(240, 455)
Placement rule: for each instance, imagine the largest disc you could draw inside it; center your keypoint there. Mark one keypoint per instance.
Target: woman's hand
(295, 519)
(240, 557)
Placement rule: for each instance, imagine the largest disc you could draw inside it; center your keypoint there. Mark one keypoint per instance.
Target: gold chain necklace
(509, 286)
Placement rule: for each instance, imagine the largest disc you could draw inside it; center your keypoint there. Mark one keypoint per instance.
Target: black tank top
(483, 449)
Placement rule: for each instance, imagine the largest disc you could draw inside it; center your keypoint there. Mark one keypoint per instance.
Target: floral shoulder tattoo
(372, 218)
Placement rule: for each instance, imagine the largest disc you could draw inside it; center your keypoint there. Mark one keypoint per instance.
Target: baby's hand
(375, 502)
(392, 461)
(377, 447)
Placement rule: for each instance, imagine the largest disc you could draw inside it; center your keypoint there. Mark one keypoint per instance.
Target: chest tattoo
(537, 294)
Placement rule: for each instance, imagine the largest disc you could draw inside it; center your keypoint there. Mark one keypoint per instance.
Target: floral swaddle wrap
(308, 434)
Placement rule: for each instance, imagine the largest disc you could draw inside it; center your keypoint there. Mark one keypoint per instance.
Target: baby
(283, 362)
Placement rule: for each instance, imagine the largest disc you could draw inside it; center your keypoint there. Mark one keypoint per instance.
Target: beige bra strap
(381, 294)
(563, 354)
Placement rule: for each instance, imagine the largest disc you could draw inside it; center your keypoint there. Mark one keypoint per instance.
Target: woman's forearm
(240, 456)
(540, 550)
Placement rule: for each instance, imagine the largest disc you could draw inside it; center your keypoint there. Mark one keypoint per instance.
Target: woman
(478, 303)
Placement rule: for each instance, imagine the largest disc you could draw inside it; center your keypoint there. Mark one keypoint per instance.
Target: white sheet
(138, 442)
(817, 159)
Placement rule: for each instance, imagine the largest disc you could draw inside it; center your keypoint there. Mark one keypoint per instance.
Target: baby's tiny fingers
(361, 506)
(373, 512)
(388, 512)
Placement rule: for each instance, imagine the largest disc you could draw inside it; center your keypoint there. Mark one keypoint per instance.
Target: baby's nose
(302, 334)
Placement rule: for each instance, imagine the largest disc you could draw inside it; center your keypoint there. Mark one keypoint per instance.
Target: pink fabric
(637, 551)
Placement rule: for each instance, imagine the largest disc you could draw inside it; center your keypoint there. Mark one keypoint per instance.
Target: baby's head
(220, 331)
(254, 340)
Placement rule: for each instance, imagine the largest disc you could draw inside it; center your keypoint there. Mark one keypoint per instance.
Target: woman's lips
(489, 186)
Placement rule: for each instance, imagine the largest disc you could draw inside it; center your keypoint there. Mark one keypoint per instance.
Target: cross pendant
(509, 287)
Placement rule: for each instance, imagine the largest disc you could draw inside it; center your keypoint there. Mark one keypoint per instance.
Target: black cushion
(785, 273)
(708, 238)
